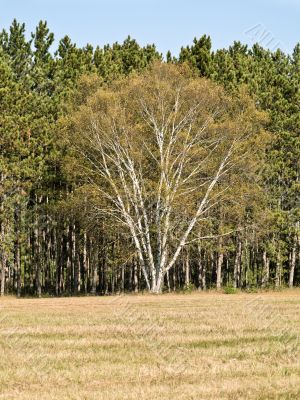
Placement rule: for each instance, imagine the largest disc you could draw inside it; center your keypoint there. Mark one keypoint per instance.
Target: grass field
(193, 346)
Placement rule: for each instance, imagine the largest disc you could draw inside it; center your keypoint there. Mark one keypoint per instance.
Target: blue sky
(168, 24)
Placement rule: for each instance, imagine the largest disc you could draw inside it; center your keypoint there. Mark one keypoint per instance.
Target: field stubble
(193, 346)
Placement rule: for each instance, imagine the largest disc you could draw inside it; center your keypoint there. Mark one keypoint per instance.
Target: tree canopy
(81, 126)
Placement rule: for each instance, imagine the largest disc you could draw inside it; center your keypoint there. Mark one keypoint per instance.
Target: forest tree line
(59, 235)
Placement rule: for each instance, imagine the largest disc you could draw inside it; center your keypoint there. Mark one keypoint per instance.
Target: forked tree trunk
(157, 283)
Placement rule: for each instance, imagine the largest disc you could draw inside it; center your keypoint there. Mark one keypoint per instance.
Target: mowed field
(189, 346)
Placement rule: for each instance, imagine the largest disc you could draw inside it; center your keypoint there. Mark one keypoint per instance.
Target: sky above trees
(168, 24)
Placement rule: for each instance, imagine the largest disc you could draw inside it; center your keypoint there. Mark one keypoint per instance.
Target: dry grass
(198, 346)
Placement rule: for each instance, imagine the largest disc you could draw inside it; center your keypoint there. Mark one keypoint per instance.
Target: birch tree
(162, 149)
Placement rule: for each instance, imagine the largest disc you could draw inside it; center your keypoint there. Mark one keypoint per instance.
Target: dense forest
(60, 232)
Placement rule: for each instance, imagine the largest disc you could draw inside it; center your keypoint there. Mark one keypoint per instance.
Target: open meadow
(181, 346)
